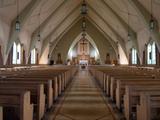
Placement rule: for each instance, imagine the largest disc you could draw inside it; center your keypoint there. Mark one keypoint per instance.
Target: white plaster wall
(44, 57)
(143, 37)
(4, 35)
(25, 38)
(73, 52)
(129, 45)
(122, 57)
(38, 45)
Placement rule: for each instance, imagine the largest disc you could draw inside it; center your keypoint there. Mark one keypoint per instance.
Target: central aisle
(83, 101)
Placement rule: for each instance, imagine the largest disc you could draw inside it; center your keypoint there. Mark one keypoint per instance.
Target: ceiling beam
(133, 34)
(119, 38)
(42, 26)
(49, 37)
(24, 14)
(55, 42)
(145, 16)
(111, 41)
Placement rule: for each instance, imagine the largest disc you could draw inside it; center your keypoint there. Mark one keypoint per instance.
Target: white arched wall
(122, 56)
(76, 41)
(25, 38)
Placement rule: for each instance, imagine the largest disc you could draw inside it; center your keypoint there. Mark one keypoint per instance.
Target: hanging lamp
(17, 24)
(84, 8)
(83, 24)
(152, 21)
(39, 31)
(129, 34)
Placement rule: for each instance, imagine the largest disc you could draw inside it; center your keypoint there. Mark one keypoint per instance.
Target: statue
(59, 60)
(108, 61)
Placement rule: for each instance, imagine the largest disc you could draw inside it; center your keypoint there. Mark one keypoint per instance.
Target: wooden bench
(120, 90)
(113, 82)
(48, 89)
(149, 106)
(58, 77)
(37, 95)
(1, 113)
(108, 78)
(19, 100)
(132, 98)
(55, 80)
(104, 76)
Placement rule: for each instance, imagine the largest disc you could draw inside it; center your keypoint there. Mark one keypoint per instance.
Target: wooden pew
(120, 90)
(17, 99)
(48, 89)
(149, 105)
(114, 79)
(1, 113)
(63, 77)
(58, 84)
(132, 98)
(110, 81)
(104, 75)
(37, 95)
(57, 76)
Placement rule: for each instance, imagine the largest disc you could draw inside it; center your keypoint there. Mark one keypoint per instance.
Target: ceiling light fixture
(84, 8)
(84, 13)
(17, 24)
(129, 34)
(152, 21)
(83, 24)
(39, 31)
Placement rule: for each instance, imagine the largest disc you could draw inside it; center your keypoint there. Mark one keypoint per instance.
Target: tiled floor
(83, 101)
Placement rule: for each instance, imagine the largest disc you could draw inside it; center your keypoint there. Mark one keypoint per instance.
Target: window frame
(134, 57)
(33, 59)
(151, 53)
(14, 56)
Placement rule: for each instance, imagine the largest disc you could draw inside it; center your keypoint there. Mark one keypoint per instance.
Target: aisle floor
(83, 101)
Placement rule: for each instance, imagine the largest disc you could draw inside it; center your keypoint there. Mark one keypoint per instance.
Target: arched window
(33, 56)
(151, 53)
(134, 56)
(14, 59)
(16, 53)
(19, 53)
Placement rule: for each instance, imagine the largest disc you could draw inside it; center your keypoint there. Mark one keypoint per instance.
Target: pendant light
(152, 21)
(84, 13)
(128, 35)
(39, 31)
(17, 24)
(84, 8)
(83, 24)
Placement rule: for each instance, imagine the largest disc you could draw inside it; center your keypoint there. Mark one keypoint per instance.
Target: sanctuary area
(79, 59)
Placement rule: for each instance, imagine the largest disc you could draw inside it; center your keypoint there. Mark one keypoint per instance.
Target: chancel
(79, 60)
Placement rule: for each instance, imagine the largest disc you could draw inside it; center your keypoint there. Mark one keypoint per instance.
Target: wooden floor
(82, 101)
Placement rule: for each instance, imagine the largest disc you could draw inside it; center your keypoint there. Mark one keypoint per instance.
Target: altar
(83, 64)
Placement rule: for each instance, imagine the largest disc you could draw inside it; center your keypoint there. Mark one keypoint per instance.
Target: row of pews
(135, 91)
(28, 93)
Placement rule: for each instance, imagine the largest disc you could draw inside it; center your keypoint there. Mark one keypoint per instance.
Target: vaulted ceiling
(55, 17)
